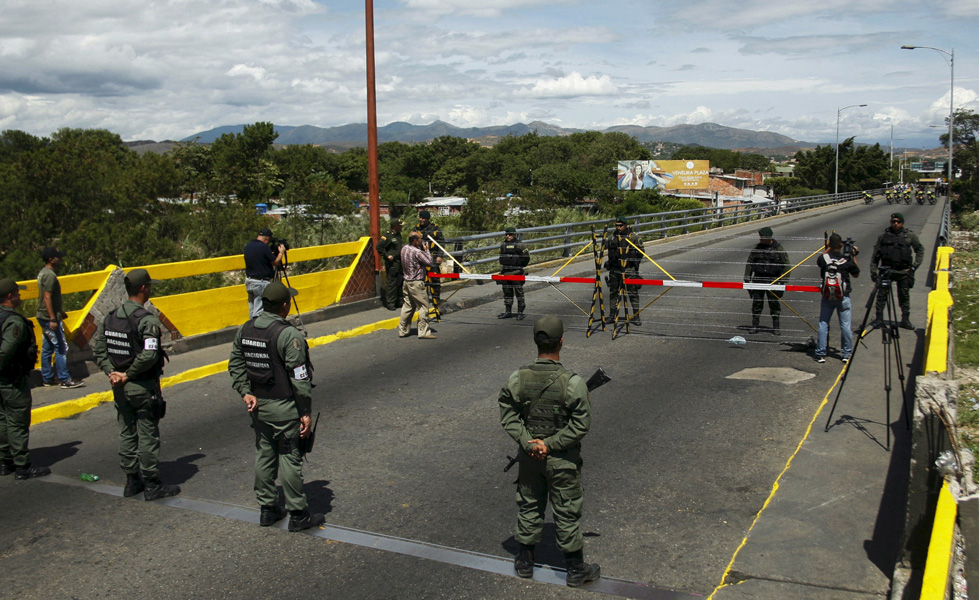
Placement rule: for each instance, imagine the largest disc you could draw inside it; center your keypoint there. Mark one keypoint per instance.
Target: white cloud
(570, 86)
(480, 8)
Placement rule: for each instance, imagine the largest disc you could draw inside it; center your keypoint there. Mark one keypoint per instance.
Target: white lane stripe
(377, 541)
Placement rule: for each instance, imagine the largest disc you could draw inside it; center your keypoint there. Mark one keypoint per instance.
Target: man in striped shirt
(414, 260)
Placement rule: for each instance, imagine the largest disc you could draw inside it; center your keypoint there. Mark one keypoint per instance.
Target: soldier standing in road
(390, 249)
(545, 408)
(429, 229)
(128, 351)
(767, 262)
(513, 258)
(270, 368)
(893, 250)
(18, 353)
(623, 262)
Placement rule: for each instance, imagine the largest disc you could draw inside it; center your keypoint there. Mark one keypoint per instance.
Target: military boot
(906, 324)
(524, 562)
(577, 571)
(7, 467)
(755, 324)
(506, 314)
(775, 325)
(30, 472)
(271, 515)
(156, 489)
(134, 485)
(304, 519)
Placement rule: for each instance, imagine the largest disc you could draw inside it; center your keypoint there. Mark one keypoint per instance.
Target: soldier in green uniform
(545, 408)
(767, 262)
(429, 229)
(390, 249)
(127, 350)
(270, 368)
(894, 250)
(18, 353)
(623, 263)
(513, 258)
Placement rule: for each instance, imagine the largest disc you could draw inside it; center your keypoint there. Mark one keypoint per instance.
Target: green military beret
(765, 232)
(621, 219)
(510, 230)
(424, 214)
(898, 216)
(395, 222)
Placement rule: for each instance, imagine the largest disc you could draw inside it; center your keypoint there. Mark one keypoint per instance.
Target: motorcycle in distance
(868, 198)
(920, 197)
(908, 196)
(890, 196)
(931, 197)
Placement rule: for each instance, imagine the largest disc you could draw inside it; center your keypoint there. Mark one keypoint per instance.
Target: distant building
(451, 205)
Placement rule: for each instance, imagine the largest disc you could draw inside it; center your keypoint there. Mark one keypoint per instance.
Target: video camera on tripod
(274, 244)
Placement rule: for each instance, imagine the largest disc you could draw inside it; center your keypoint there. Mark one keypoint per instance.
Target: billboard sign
(662, 174)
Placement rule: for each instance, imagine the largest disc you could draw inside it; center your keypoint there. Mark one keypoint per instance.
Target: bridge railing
(213, 309)
(549, 242)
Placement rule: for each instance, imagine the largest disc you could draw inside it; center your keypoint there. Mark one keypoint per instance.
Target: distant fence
(559, 241)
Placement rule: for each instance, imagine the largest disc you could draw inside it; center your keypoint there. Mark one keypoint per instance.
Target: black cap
(49, 253)
(550, 328)
(9, 286)
(395, 222)
(265, 231)
(277, 293)
(138, 278)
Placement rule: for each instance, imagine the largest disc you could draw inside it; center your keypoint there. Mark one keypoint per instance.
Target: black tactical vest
(622, 255)
(541, 388)
(124, 343)
(266, 370)
(24, 355)
(511, 257)
(765, 260)
(895, 249)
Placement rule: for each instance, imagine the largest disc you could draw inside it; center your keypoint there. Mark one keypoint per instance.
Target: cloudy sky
(165, 69)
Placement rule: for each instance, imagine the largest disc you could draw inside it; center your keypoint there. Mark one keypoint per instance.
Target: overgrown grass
(966, 313)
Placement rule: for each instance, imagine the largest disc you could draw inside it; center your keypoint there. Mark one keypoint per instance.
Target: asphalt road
(679, 460)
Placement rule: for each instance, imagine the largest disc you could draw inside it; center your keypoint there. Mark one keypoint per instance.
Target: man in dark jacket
(894, 253)
(623, 262)
(767, 262)
(513, 258)
(390, 249)
(836, 269)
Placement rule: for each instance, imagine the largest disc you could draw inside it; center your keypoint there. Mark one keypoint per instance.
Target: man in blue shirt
(260, 268)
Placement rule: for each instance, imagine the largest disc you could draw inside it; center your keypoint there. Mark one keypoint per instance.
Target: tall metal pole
(374, 193)
(837, 147)
(949, 160)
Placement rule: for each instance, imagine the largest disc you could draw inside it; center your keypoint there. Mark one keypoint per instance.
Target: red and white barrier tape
(728, 285)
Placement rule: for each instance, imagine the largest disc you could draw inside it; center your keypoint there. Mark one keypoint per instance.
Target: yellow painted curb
(935, 579)
(70, 408)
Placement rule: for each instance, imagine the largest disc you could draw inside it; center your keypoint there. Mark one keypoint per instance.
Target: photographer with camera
(894, 252)
(837, 266)
(260, 267)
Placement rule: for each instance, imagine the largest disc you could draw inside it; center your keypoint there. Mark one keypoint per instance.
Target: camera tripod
(892, 351)
(280, 275)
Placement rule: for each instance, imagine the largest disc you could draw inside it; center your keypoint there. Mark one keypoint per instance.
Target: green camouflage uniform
(15, 395)
(139, 427)
(276, 421)
(559, 415)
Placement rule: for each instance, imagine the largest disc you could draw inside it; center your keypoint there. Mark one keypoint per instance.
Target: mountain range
(346, 136)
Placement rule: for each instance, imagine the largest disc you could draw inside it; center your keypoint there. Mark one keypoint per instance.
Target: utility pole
(374, 192)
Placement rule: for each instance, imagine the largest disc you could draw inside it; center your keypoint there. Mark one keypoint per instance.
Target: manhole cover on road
(777, 374)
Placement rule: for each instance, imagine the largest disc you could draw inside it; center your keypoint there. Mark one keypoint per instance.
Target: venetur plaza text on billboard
(663, 174)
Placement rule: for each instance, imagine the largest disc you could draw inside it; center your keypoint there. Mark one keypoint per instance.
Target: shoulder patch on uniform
(297, 343)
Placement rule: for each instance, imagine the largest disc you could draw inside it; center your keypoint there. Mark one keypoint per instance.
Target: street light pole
(837, 148)
(949, 163)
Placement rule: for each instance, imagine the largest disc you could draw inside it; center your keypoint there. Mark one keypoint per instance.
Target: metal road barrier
(557, 241)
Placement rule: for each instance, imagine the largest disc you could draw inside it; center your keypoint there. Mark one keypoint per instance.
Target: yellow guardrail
(935, 579)
(937, 322)
(209, 310)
